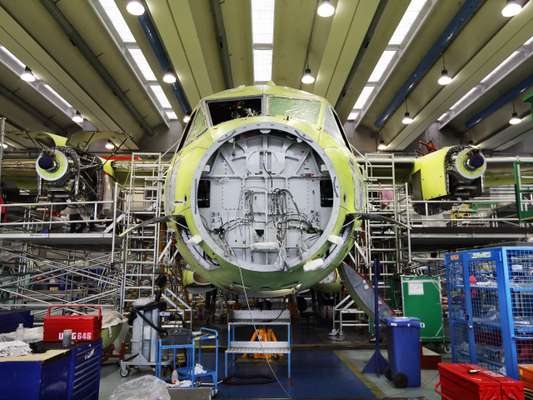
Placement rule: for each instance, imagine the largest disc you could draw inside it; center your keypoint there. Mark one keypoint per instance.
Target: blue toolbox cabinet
(57, 374)
(10, 319)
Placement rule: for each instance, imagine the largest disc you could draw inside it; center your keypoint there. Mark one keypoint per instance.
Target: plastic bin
(404, 351)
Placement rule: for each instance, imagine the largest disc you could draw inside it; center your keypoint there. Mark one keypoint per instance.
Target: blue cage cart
(490, 307)
(194, 347)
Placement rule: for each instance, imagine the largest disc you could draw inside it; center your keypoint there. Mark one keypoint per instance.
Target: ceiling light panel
(117, 20)
(353, 115)
(171, 115)
(57, 96)
(363, 97)
(382, 65)
(13, 57)
(407, 22)
(262, 65)
(141, 62)
(160, 96)
(262, 21)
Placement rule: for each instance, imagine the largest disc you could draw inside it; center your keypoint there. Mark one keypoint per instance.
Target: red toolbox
(85, 328)
(471, 382)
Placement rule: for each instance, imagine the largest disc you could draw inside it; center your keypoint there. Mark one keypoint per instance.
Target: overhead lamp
(135, 7)
(5, 146)
(109, 145)
(169, 78)
(444, 78)
(382, 146)
(512, 8)
(325, 9)
(308, 78)
(27, 75)
(515, 119)
(77, 117)
(407, 119)
(186, 118)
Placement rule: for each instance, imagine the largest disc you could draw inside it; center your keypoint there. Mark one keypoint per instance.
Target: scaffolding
(59, 253)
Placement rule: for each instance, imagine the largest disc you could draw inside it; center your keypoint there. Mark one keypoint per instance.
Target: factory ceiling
(374, 60)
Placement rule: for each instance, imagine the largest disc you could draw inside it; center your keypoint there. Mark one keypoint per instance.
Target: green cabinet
(421, 298)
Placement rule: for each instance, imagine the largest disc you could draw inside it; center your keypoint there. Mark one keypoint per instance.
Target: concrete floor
(381, 386)
(353, 359)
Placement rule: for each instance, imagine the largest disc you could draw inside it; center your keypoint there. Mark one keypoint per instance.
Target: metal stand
(377, 363)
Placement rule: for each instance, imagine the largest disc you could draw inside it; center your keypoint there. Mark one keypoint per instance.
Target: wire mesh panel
(490, 294)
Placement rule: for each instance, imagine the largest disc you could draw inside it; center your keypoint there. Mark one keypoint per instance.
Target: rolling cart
(192, 345)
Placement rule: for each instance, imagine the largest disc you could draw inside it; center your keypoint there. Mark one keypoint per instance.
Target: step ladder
(388, 241)
(141, 246)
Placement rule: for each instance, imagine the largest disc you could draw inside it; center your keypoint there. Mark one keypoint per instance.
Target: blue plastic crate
(490, 299)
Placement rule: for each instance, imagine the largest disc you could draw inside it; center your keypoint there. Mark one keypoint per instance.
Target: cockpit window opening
(196, 126)
(184, 140)
(307, 110)
(341, 129)
(226, 110)
(331, 126)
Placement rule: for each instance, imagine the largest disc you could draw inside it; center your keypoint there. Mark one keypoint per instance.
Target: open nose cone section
(265, 199)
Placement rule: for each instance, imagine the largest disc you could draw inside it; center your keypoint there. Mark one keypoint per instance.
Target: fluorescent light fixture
(325, 9)
(467, 95)
(57, 95)
(407, 22)
(363, 97)
(160, 96)
(512, 8)
(502, 65)
(135, 7)
(117, 20)
(442, 116)
(529, 41)
(313, 265)
(186, 118)
(382, 146)
(407, 119)
(142, 63)
(171, 115)
(27, 75)
(515, 119)
(13, 57)
(4, 146)
(444, 78)
(169, 78)
(382, 65)
(262, 65)
(77, 117)
(109, 145)
(353, 115)
(308, 78)
(263, 21)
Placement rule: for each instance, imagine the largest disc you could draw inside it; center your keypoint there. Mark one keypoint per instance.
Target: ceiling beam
(448, 35)
(387, 17)
(350, 24)
(222, 42)
(513, 34)
(29, 51)
(93, 60)
(28, 108)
